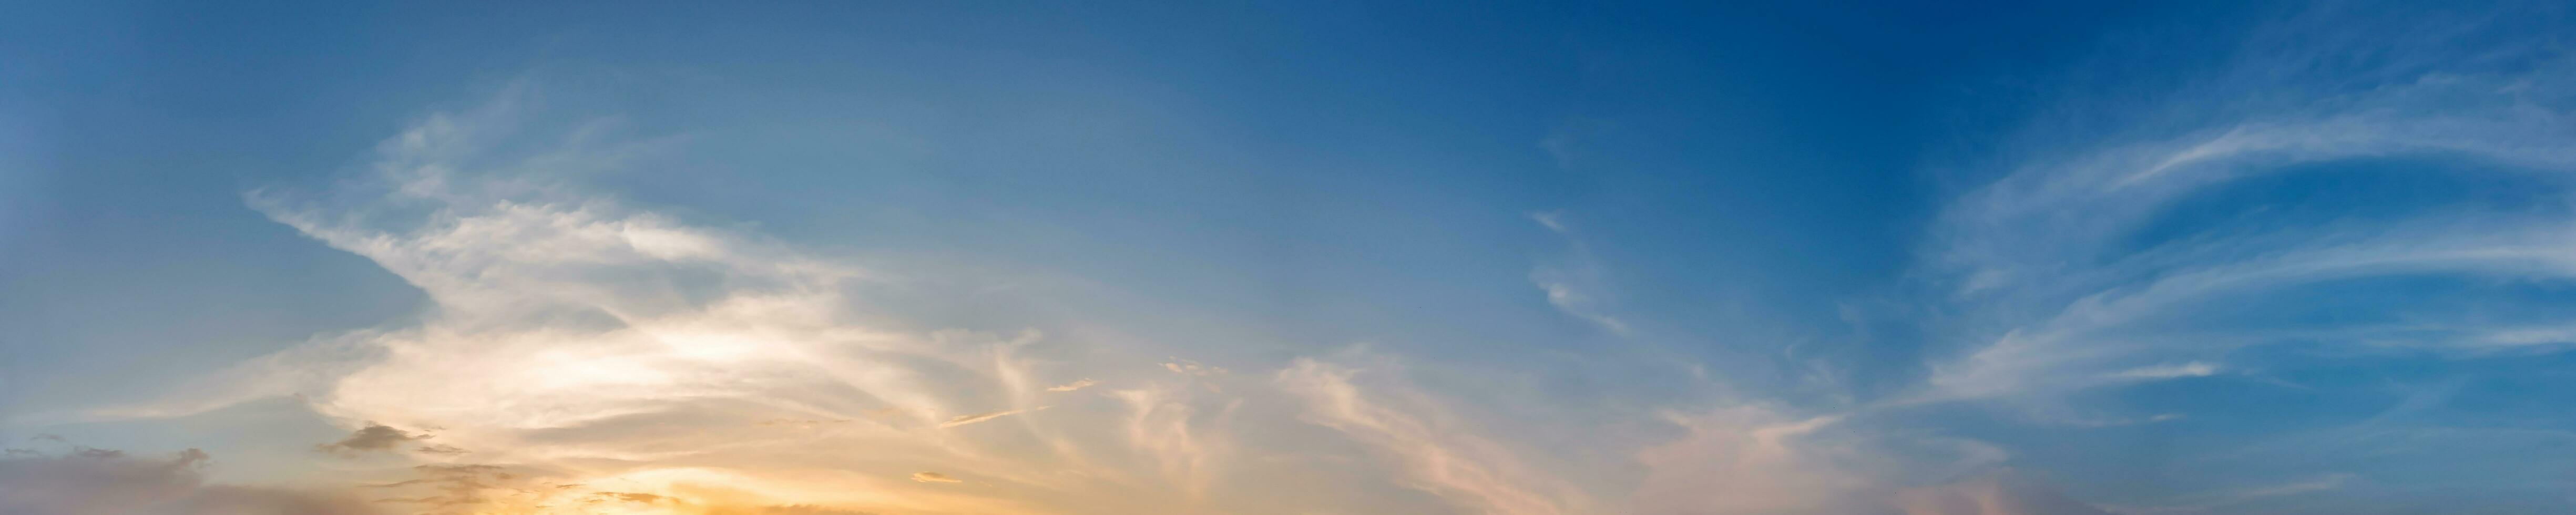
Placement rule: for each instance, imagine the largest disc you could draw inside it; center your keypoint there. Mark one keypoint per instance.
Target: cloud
(2192, 369)
(1753, 460)
(584, 341)
(1572, 285)
(1171, 424)
(2213, 502)
(980, 417)
(88, 452)
(633, 497)
(112, 484)
(1433, 456)
(1554, 221)
(460, 487)
(374, 437)
(783, 510)
(1067, 387)
(615, 351)
(803, 423)
(2000, 493)
(439, 449)
(1191, 368)
(1745, 459)
(2100, 254)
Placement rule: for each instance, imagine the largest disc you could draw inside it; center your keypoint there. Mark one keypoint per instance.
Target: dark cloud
(107, 482)
(374, 437)
(86, 452)
(439, 449)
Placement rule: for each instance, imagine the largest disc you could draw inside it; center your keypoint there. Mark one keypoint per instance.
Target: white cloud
(980, 417)
(1442, 458)
(1751, 460)
(1756, 460)
(2050, 261)
(1192, 368)
(2192, 369)
(591, 342)
(1170, 425)
(1571, 285)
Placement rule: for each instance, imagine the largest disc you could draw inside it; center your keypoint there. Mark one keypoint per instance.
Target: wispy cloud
(2192, 369)
(980, 417)
(1192, 368)
(1173, 426)
(574, 335)
(2214, 502)
(2085, 258)
(1436, 457)
(1572, 285)
(1067, 387)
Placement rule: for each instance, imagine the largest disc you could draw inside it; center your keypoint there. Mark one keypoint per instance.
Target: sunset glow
(924, 258)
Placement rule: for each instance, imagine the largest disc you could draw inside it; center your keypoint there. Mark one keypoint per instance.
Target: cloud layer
(585, 353)
(99, 482)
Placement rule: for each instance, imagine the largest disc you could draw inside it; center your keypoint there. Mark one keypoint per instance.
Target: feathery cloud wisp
(1067, 387)
(980, 417)
(1572, 286)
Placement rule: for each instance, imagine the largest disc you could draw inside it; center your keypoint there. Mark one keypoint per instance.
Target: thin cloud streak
(2052, 252)
(1573, 286)
(1438, 458)
(981, 417)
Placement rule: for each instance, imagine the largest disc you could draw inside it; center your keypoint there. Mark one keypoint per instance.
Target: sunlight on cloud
(1749, 460)
(606, 356)
(1436, 456)
(587, 356)
(980, 417)
(2170, 260)
(584, 353)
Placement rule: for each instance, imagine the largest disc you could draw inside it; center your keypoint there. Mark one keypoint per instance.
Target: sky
(1510, 258)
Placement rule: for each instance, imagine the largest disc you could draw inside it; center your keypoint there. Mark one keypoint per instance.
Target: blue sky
(1294, 257)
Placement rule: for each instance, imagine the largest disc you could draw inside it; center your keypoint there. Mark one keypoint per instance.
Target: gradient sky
(897, 258)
